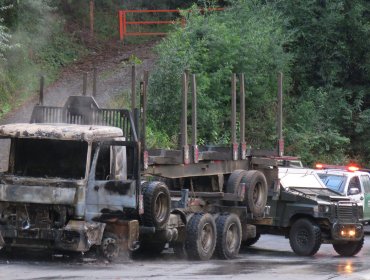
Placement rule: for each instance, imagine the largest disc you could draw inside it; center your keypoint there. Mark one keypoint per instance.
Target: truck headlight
(324, 208)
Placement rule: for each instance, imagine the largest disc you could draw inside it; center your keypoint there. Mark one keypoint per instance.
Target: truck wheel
(229, 232)
(251, 241)
(305, 237)
(109, 247)
(256, 192)
(235, 181)
(201, 235)
(157, 202)
(349, 249)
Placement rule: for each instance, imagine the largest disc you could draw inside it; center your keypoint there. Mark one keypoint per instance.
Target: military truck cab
(309, 214)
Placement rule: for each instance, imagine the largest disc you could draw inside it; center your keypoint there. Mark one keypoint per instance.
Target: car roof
(59, 131)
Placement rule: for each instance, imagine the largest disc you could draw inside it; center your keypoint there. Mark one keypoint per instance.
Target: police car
(349, 181)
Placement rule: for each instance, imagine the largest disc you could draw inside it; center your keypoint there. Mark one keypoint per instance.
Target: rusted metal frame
(95, 77)
(194, 125)
(234, 144)
(84, 84)
(120, 20)
(219, 195)
(184, 120)
(243, 145)
(280, 148)
(41, 96)
(197, 169)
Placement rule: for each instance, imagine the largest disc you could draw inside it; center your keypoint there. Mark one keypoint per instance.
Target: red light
(353, 168)
(319, 166)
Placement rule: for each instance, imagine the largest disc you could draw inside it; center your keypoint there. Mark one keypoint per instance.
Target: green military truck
(304, 210)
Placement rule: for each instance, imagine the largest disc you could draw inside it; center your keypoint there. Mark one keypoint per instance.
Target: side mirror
(353, 191)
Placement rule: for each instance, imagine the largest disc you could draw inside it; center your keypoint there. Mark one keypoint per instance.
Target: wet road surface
(270, 258)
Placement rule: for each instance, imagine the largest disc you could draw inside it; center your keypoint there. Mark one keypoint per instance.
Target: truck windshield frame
(48, 158)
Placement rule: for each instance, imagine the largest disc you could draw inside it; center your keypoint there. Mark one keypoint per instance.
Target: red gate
(123, 22)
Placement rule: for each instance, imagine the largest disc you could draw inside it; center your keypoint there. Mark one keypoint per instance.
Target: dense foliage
(248, 37)
(325, 62)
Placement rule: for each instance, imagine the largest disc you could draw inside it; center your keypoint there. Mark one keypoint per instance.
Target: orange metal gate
(123, 22)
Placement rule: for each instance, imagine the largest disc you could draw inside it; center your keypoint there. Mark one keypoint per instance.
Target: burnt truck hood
(38, 190)
(319, 194)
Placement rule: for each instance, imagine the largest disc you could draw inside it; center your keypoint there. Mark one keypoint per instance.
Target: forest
(321, 47)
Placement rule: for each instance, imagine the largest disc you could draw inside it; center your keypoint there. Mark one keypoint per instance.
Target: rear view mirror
(353, 191)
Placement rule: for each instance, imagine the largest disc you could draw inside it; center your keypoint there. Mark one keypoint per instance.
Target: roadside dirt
(113, 79)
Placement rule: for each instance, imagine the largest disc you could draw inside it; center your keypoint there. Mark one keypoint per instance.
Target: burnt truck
(81, 177)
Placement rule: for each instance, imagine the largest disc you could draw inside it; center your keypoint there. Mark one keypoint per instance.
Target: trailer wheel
(201, 235)
(251, 241)
(109, 247)
(157, 204)
(229, 232)
(256, 192)
(349, 249)
(235, 181)
(305, 237)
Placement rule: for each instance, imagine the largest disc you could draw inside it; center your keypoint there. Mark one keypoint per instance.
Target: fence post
(84, 83)
(94, 81)
(120, 25)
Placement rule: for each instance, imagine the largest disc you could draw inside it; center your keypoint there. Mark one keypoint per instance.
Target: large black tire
(157, 204)
(229, 235)
(201, 237)
(256, 192)
(109, 247)
(236, 181)
(349, 249)
(305, 237)
(251, 241)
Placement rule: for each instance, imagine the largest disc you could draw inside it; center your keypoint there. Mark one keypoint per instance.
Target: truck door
(110, 192)
(355, 190)
(365, 181)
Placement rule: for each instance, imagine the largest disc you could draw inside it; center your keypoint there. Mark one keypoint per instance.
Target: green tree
(247, 37)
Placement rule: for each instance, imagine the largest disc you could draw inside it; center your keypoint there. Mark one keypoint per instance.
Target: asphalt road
(270, 258)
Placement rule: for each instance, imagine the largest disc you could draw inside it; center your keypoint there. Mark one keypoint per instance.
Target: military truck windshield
(299, 178)
(334, 182)
(48, 158)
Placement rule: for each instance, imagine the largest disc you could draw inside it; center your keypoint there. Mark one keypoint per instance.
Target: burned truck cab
(65, 189)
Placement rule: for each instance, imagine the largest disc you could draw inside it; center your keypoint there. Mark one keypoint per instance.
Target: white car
(354, 184)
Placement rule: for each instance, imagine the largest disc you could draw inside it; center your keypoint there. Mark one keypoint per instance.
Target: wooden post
(92, 18)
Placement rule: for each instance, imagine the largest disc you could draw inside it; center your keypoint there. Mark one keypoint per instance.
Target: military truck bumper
(350, 232)
(75, 236)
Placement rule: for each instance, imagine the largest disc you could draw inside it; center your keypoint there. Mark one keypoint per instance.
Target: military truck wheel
(349, 249)
(251, 241)
(201, 236)
(229, 233)
(305, 237)
(256, 192)
(235, 182)
(157, 204)
(109, 247)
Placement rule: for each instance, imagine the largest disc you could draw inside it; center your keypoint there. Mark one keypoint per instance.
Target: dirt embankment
(114, 78)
